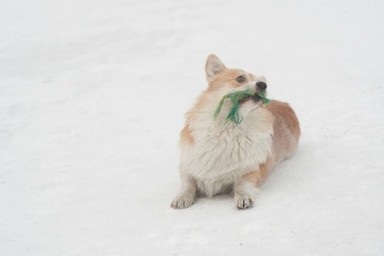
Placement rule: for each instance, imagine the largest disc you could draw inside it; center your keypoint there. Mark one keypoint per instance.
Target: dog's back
(286, 129)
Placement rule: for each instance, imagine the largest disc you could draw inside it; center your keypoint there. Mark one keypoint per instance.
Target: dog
(219, 156)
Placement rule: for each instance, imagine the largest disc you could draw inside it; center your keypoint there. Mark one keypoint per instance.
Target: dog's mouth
(260, 93)
(259, 96)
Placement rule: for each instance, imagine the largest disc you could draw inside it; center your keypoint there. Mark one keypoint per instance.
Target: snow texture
(92, 97)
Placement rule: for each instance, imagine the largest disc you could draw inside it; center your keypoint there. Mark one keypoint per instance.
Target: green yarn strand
(236, 98)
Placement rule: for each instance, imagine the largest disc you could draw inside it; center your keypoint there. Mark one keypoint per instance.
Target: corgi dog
(219, 156)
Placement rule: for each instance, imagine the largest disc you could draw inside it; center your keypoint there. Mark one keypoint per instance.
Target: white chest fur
(223, 152)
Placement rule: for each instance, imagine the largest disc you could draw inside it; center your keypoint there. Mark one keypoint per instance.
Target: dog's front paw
(183, 201)
(244, 201)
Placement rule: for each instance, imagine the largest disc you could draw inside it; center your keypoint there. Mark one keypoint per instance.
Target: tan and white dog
(219, 156)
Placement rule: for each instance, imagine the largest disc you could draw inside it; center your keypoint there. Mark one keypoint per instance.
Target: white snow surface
(92, 98)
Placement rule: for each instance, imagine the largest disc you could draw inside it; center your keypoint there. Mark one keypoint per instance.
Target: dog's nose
(261, 85)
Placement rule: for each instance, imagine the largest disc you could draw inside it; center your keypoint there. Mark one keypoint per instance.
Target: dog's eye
(241, 79)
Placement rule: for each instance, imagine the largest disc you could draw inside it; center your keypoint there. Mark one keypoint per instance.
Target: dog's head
(224, 80)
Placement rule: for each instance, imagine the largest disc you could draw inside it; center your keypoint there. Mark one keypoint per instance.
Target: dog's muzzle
(261, 87)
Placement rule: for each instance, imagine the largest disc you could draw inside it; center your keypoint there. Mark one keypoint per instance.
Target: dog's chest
(224, 152)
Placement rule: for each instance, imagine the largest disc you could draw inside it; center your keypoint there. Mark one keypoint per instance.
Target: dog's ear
(213, 66)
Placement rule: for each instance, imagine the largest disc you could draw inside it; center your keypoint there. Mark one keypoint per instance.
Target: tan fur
(185, 135)
(278, 115)
(286, 130)
(258, 176)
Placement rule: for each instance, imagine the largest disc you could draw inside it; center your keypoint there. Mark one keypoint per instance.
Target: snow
(92, 97)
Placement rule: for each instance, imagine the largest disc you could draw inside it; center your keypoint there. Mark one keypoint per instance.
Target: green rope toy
(237, 98)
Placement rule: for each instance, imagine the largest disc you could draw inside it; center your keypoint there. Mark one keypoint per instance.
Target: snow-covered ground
(92, 97)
